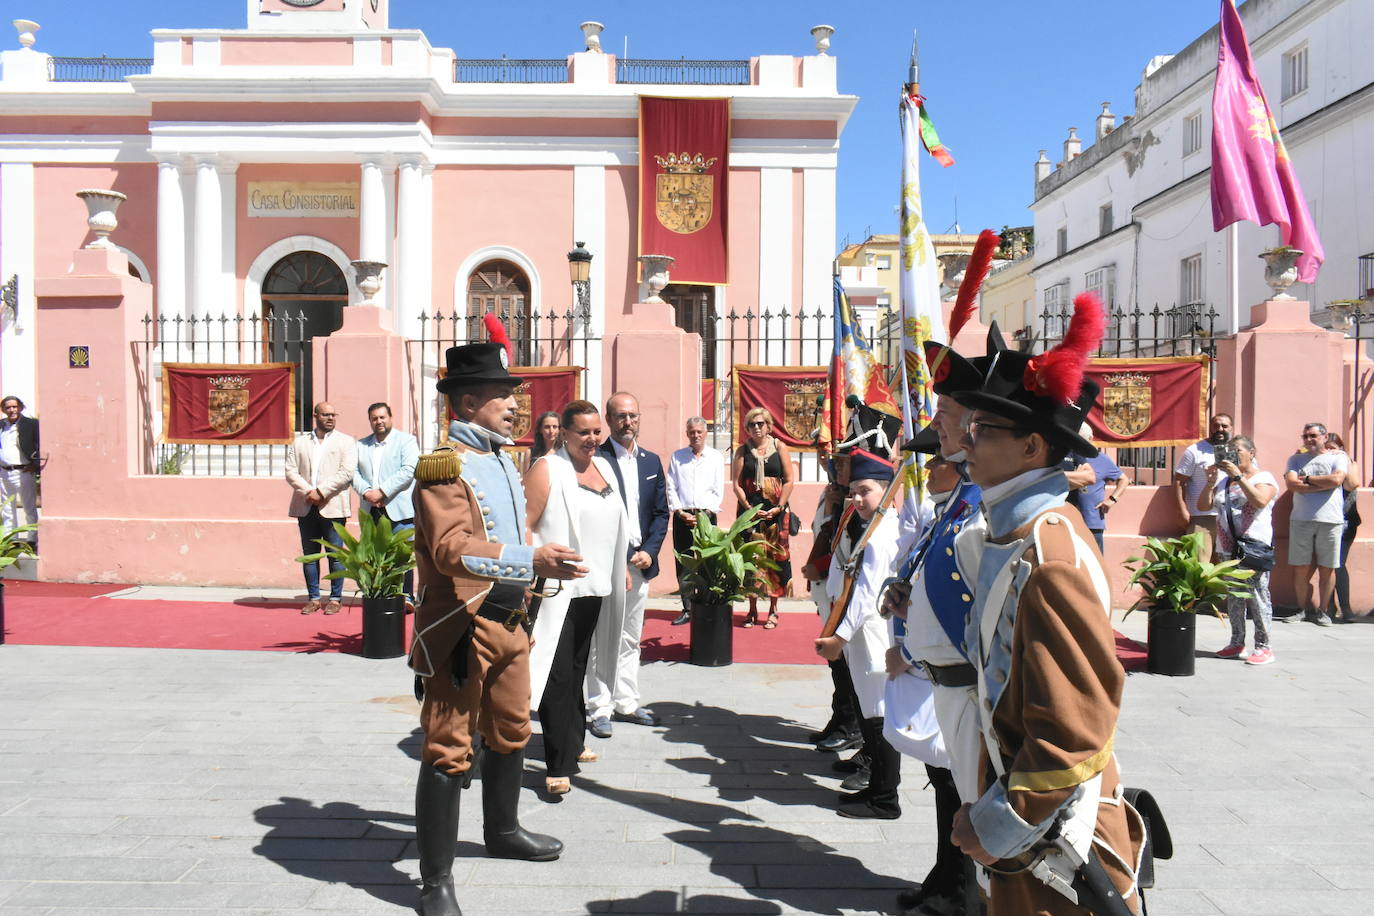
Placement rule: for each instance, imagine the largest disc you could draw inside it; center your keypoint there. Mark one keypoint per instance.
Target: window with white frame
(1104, 219)
(884, 262)
(1190, 280)
(1192, 133)
(1103, 282)
(1061, 241)
(1366, 276)
(1055, 313)
(1295, 72)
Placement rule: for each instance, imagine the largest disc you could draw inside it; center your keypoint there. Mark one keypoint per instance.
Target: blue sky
(1003, 78)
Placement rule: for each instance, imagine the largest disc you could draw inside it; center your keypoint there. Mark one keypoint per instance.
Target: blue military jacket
(940, 587)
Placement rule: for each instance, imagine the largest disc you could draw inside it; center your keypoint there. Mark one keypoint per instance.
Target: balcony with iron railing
(96, 69)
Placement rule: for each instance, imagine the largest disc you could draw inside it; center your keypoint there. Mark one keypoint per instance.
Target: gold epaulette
(442, 464)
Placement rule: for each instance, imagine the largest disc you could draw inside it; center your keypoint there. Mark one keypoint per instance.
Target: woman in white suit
(571, 499)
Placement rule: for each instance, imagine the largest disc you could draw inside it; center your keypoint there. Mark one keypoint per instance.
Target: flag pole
(1233, 275)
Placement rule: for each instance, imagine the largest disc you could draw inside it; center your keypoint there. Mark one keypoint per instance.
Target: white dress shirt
(316, 449)
(696, 481)
(9, 443)
(628, 461)
(377, 462)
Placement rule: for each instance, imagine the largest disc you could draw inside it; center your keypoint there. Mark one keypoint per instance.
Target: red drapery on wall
(545, 388)
(228, 403)
(792, 396)
(684, 167)
(1149, 402)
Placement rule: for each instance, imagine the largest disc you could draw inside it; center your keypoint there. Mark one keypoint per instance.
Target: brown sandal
(772, 622)
(557, 785)
(311, 606)
(588, 756)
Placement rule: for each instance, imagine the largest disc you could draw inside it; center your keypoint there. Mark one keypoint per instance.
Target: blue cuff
(1001, 830)
(514, 566)
(906, 656)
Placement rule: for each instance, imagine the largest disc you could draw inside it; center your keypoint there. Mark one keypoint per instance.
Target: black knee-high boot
(505, 838)
(437, 795)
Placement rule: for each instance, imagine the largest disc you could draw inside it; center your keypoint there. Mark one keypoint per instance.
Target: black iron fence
(96, 69)
(504, 70)
(229, 339)
(1181, 330)
(683, 72)
(554, 339)
(1361, 444)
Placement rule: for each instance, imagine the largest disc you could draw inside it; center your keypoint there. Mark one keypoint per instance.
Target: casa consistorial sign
(331, 199)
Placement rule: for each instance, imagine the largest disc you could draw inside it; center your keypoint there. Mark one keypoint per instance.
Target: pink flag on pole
(1252, 176)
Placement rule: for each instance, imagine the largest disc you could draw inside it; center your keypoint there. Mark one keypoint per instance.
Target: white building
(1131, 216)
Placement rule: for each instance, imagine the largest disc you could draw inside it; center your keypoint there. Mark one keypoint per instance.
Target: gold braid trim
(440, 465)
(1049, 780)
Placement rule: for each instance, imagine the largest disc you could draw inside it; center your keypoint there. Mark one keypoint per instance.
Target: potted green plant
(12, 547)
(1176, 585)
(377, 560)
(721, 567)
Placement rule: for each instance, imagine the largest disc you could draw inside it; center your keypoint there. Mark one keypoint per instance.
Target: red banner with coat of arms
(684, 168)
(209, 403)
(792, 395)
(1149, 402)
(545, 388)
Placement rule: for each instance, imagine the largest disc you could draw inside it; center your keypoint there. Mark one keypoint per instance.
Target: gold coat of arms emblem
(524, 414)
(801, 408)
(228, 403)
(684, 195)
(1126, 403)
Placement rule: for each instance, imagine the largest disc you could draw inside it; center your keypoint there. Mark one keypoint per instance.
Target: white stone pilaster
(411, 279)
(389, 241)
(171, 241)
(372, 216)
(17, 231)
(227, 175)
(207, 246)
(776, 232)
(589, 227)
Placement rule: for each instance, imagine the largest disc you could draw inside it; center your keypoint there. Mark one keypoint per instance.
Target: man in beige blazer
(319, 467)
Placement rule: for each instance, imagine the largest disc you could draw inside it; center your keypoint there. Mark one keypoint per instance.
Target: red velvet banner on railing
(1149, 402)
(545, 388)
(684, 167)
(228, 403)
(792, 396)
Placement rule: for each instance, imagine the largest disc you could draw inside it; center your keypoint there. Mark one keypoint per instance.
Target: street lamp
(580, 272)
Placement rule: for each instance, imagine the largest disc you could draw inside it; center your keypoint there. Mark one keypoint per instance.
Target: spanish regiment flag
(684, 171)
(1149, 402)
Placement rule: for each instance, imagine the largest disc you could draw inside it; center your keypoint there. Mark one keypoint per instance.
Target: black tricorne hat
(476, 364)
(952, 373)
(925, 442)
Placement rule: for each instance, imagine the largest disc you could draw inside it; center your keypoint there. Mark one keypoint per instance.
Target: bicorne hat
(476, 364)
(1047, 394)
(952, 374)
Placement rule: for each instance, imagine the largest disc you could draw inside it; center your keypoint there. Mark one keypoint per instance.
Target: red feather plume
(978, 264)
(1058, 374)
(496, 333)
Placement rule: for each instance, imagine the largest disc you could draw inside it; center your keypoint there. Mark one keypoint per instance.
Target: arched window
(303, 297)
(501, 288)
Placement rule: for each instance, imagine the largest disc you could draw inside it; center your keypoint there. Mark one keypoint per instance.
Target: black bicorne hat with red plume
(1048, 393)
(478, 363)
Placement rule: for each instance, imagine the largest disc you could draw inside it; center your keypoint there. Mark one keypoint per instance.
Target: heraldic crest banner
(1149, 402)
(793, 396)
(545, 388)
(228, 403)
(684, 167)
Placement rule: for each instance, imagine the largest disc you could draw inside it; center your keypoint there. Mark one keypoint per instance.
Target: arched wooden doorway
(303, 297)
(503, 289)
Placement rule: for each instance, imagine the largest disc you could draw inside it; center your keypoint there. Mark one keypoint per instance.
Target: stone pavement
(152, 781)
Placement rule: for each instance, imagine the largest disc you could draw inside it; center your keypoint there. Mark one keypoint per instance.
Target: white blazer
(557, 525)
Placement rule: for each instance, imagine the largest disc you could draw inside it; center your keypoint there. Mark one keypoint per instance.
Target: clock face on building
(308, 2)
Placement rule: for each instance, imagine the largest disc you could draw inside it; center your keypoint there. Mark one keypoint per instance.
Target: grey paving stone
(104, 868)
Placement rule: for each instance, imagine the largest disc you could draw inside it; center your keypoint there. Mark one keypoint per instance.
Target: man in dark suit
(19, 463)
(613, 683)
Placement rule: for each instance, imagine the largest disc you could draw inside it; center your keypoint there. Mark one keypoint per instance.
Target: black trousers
(844, 701)
(885, 763)
(682, 542)
(563, 710)
(948, 874)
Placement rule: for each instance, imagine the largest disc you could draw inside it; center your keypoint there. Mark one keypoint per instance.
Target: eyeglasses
(972, 427)
(757, 423)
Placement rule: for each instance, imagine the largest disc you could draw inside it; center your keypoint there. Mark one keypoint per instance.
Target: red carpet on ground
(790, 644)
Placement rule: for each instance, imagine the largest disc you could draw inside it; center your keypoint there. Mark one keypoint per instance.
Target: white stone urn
(955, 264)
(655, 270)
(369, 278)
(591, 31)
(822, 35)
(100, 214)
(1281, 269)
(26, 28)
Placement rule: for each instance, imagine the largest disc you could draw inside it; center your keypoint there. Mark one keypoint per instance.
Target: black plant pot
(1172, 641)
(713, 635)
(384, 627)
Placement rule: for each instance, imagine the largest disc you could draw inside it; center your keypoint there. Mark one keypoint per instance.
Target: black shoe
(640, 716)
(826, 732)
(436, 836)
(853, 765)
(857, 781)
(839, 741)
(684, 617)
(865, 805)
(505, 838)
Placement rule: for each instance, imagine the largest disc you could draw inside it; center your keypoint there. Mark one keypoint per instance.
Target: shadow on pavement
(347, 643)
(330, 845)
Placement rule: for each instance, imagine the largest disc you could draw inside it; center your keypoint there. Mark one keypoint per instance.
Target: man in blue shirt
(1091, 497)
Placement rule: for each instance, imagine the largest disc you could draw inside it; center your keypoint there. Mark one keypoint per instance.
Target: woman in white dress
(571, 499)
